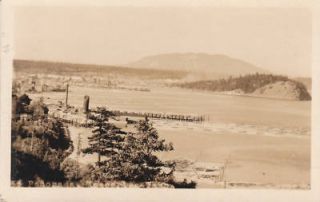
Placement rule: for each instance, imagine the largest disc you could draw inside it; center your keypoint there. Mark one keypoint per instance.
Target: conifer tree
(106, 139)
(139, 163)
(149, 137)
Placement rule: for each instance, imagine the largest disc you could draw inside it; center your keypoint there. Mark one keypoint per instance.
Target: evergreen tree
(106, 139)
(149, 138)
(139, 162)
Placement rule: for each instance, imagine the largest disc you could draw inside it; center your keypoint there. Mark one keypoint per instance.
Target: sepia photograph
(170, 97)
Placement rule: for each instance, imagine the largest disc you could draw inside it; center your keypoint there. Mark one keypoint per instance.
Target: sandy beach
(248, 158)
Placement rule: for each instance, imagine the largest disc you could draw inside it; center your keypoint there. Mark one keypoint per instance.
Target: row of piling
(188, 118)
(87, 124)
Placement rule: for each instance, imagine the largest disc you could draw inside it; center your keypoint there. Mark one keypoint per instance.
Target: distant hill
(197, 62)
(262, 85)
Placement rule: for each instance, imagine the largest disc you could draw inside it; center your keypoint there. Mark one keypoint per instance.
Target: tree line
(61, 68)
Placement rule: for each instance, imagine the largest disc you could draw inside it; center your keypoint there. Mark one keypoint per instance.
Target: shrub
(183, 184)
(71, 170)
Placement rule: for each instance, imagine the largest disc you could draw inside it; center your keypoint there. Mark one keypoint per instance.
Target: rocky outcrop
(283, 90)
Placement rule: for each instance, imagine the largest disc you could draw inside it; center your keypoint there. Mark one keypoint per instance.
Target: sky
(276, 39)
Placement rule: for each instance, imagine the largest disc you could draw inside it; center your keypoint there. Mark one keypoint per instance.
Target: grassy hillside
(59, 68)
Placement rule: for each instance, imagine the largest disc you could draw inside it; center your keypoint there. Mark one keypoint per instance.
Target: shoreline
(230, 93)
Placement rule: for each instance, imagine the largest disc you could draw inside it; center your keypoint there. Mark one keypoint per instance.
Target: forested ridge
(248, 83)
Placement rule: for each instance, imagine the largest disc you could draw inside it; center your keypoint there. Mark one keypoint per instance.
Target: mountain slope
(197, 62)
